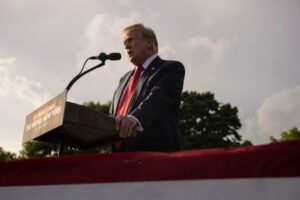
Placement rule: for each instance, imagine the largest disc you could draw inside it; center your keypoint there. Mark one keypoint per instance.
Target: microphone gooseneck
(102, 57)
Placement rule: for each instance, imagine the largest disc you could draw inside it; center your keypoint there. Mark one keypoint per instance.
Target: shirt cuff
(139, 127)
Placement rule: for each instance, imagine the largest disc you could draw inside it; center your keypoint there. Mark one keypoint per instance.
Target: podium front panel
(46, 118)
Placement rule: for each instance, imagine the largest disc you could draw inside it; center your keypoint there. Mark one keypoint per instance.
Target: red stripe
(274, 160)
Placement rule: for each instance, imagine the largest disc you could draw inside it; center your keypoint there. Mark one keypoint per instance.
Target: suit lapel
(151, 69)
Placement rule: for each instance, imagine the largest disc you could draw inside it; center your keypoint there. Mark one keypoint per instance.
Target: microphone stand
(83, 73)
(102, 57)
(71, 83)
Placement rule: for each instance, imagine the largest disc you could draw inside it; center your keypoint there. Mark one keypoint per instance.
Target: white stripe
(225, 189)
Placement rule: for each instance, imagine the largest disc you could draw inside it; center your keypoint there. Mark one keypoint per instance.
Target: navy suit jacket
(155, 103)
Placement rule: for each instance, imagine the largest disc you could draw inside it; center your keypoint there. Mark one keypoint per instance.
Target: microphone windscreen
(114, 56)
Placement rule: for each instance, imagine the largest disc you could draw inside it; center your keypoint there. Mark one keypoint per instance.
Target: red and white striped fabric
(259, 172)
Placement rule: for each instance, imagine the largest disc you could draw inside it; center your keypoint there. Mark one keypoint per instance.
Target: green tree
(43, 149)
(292, 134)
(102, 108)
(246, 143)
(34, 149)
(206, 123)
(5, 155)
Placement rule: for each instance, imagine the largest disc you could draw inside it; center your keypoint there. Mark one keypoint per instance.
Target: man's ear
(149, 44)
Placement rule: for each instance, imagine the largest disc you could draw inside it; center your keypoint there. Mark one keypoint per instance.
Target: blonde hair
(146, 33)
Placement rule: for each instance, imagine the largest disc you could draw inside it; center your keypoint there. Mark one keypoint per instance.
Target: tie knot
(139, 68)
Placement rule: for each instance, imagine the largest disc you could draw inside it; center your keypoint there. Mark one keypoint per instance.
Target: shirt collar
(149, 60)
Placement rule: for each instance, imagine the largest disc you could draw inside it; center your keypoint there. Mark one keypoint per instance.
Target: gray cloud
(16, 86)
(217, 49)
(279, 112)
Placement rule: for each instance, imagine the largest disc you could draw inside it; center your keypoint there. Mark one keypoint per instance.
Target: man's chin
(133, 61)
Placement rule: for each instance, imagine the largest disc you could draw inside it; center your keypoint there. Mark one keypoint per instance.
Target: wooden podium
(75, 125)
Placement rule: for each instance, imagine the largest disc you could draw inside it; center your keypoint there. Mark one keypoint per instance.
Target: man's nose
(127, 45)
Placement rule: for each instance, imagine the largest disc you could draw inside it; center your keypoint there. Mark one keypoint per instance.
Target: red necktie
(125, 101)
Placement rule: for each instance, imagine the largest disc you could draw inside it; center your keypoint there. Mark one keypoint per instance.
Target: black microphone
(104, 56)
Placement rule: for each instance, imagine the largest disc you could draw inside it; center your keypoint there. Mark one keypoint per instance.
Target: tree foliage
(292, 134)
(5, 155)
(102, 108)
(206, 123)
(33, 149)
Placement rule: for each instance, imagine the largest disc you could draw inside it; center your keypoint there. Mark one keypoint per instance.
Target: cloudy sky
(247, 52)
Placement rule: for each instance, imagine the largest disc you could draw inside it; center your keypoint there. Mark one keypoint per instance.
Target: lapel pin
(153, 68)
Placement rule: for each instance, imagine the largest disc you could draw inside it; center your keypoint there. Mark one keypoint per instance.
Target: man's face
(137, 47)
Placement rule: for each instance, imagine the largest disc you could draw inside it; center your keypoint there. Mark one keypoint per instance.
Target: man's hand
(126, 126)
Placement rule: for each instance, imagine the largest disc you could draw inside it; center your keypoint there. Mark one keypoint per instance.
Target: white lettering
(56, 111)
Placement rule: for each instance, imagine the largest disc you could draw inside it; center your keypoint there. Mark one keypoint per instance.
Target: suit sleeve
(165, 93)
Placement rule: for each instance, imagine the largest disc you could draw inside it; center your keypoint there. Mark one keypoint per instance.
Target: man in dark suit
(146, 102)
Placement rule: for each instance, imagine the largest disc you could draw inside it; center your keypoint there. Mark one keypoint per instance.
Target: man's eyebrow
(128, 39)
